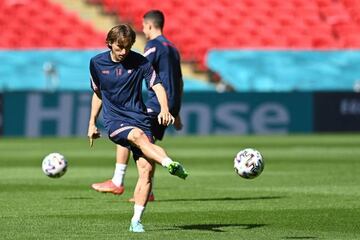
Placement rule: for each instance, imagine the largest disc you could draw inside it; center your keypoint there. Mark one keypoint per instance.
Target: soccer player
(165, 59)
(116, 80)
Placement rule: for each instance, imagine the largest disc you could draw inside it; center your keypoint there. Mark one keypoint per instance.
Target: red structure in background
(199, 25)
(29, 24)
(194, 26)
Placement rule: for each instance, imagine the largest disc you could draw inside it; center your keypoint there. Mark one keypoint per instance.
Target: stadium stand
(68, 44)
(203, 29)
(25, 70)
(275, 71)
(45, 25)
(71, 66)
(299, 24)
(268, 45)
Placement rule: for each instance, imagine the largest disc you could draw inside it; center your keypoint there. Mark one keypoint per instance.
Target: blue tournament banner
(337, 111)
(246, 113)
(35, 114)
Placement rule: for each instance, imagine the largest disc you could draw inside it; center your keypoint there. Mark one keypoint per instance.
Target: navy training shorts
(119, 131)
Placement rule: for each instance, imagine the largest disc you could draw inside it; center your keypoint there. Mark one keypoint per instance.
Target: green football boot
(176, 169)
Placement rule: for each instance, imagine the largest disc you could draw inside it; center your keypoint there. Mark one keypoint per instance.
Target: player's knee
(136, 135)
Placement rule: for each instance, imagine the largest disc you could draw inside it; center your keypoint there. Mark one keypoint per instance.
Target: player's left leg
(151, 197)
(141, 193)
(158, 132)
(144, 183)
(151, 151)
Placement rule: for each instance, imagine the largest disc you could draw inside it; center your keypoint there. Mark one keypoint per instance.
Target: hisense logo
(69, 113)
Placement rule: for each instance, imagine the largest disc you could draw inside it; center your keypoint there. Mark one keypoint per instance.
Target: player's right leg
(156, 153)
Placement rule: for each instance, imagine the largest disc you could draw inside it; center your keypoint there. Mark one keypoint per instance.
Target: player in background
(165, 60)
(116, 80)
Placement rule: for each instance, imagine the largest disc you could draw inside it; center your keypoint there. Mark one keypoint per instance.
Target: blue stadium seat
(24, 70)
(287, 70)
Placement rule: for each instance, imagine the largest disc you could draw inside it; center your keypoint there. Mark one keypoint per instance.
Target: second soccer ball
(248, 163)
(54, 165)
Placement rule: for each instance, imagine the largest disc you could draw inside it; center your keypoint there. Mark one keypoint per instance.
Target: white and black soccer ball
(248, 163)
(54, 165)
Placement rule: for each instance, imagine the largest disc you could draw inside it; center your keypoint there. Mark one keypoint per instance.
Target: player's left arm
(178, 123)
(164, 116)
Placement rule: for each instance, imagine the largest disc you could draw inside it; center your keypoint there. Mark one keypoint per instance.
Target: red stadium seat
(350, 3)
(335, 14)
(346, 29)
(350, 41)
(48, 25)
(198, 25)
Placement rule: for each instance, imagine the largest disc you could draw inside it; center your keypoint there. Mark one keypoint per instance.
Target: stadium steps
(188, 71)
(96, 17)
(103, 22)
(89, 13)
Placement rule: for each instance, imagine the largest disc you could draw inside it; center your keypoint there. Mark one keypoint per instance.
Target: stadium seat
(221, 23)
(335, 14)
(246, 23)
(351, 41)
(41, 19)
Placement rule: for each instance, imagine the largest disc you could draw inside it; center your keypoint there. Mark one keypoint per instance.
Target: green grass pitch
(310, 189)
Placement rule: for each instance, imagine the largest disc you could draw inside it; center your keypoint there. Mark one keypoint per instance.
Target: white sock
(119, 174)
(166, 162)
(138, 211)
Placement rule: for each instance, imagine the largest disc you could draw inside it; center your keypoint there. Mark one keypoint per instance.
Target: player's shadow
(220, 199)
(216, 227)
(78, 198)
(302, 237)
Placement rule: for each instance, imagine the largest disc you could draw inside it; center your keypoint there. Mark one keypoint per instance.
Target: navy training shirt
(165, 59)
(120, 84)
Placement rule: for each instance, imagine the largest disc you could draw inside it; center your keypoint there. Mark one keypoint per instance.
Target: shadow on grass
(78, 198)
(303, 237)
(220, 199)
(215, 227)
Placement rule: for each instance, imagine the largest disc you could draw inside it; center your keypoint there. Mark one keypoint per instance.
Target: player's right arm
(96, 104)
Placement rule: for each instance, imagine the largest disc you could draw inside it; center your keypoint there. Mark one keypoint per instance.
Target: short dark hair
(121, 34)
(157, 17)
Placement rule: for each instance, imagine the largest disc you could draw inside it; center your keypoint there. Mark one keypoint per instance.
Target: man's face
(146, 28)
(119, 51)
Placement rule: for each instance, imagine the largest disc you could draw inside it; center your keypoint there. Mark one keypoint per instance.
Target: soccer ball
(248, 163)
(54, 165)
